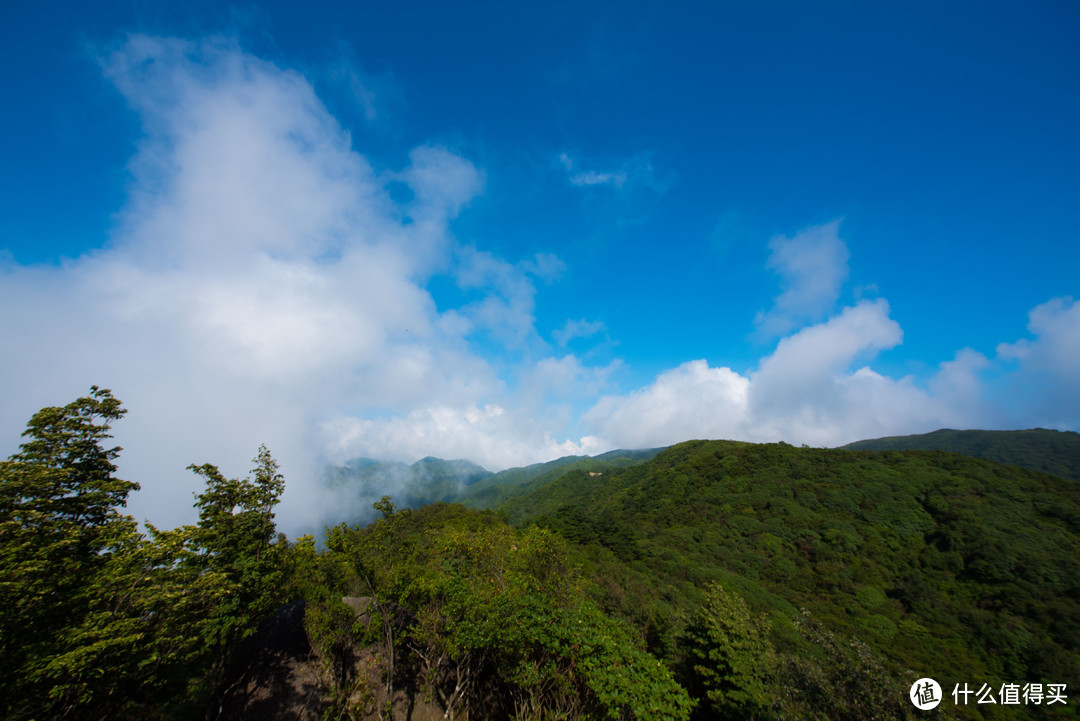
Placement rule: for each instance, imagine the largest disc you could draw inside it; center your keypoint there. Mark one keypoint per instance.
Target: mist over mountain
(360, 482)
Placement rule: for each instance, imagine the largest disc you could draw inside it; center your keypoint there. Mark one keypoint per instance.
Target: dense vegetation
(1039, 449)
(490, 619)
(948, 566)
(504, 485)
(710, 580)
(100, 621)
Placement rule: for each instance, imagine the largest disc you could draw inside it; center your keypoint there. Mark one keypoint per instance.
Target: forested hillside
(1039, 449)
(947, 566)
(711, 580)
(501, 486)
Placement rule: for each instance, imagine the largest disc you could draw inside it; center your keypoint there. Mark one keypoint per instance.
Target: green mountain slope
(500, 487)
(1047, 451)
(952, 567)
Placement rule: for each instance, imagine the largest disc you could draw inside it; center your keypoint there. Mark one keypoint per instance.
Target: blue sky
(510, 232)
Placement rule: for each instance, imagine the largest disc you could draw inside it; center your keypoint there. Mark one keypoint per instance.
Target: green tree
(236, 554)
(236, 517)
(485, 614)
(100, 621)
(730, 658)
(60, 530)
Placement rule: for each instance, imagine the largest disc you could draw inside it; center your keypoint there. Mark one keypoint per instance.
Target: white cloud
(506, 311)
(1045, 369)
(690, 401)
(493, 436)
(958, 383)
(591, 177)
(552, 380)
(1056, 324)
(636, 171)
(801, 373)
(441, 181)
(365, 90)
(812, 268)
(577, 329)
(260, 281)
(545, 266)
(811, 389)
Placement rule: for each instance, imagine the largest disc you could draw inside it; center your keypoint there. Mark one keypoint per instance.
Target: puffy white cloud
(441, 181)
(690, 401)
(239, 157)
(811, 389)
(1045, 369)
(958, 383)
(804, 368)
(1056, 348)
(563, 378)
(493, 436)
(260, 281)
(812, 268)
(506, 312)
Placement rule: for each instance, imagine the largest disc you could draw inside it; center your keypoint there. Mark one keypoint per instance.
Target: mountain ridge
(1038, 449)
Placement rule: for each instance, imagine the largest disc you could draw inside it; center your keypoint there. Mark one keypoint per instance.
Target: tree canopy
(711, 580)
(100, 620)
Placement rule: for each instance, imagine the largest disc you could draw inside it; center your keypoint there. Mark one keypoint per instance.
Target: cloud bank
(266, 284)
(818, 387)
(263, 286)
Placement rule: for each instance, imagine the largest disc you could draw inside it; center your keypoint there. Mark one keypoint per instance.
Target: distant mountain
(1039, 449)
(501, 486)
(429, 480)
(362, 481)
(466, 472)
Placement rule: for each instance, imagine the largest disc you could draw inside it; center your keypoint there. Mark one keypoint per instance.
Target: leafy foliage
(101, 621)
(235, 538)
(504, 485)
(729, 657)
(490, 616)
(59, 535)
(1038, 449)
(943, 565)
